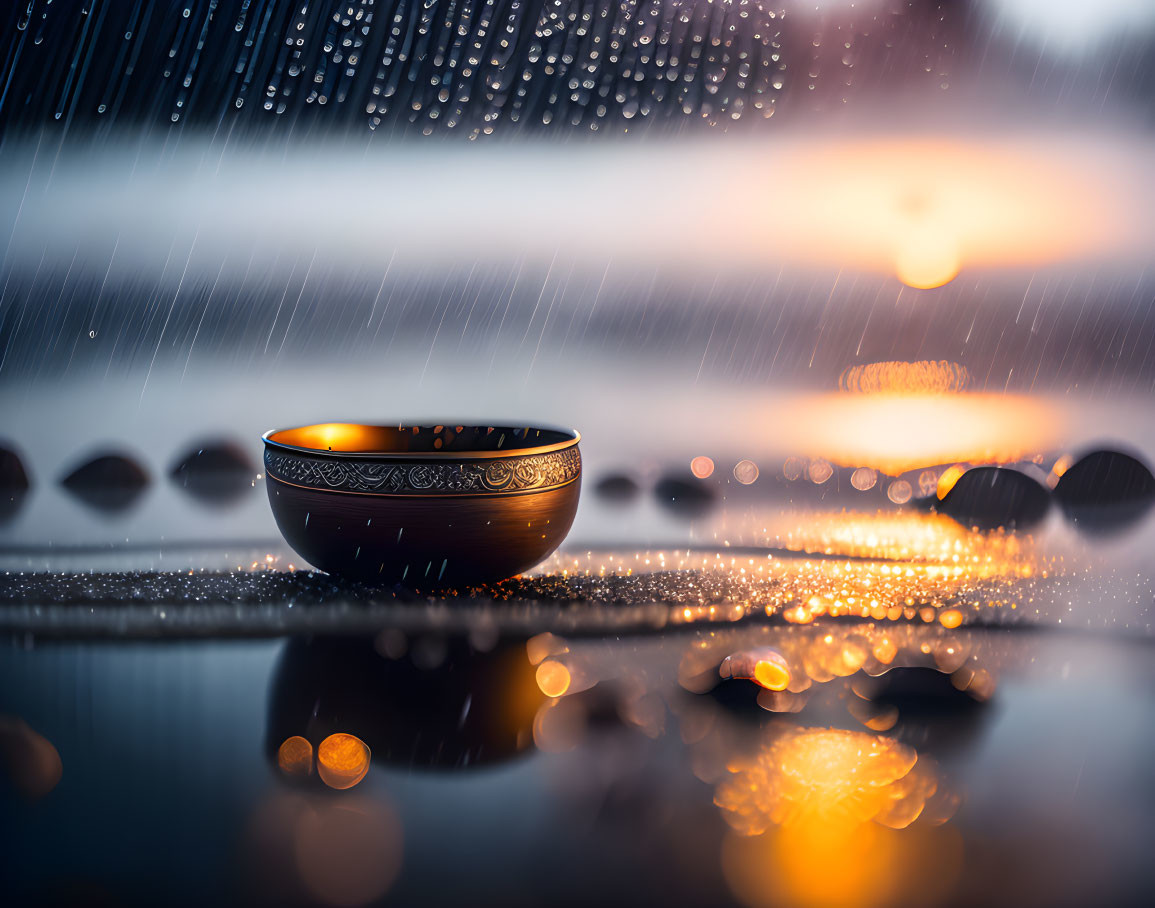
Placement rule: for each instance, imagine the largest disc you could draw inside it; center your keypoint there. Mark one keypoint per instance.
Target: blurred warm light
(702, 467)
(895, 565)
(295, 757)
(946, 482)
(820, 471)
(899, 491)
(864, 479)
(772, 674)
(822, 866)
(1058, 469)
(818, 814)
(901, 560)
(836, 777)
(332, 436)
(902, 377)
(897, 432)
(911, 536)
(347, 853)
(542, 645)
(926, 260)
(746, 471)
(925, 207)
(342, 760)
(764, 666)
(553, 678)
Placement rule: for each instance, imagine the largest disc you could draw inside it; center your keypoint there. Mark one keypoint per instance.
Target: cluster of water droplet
(472, 64)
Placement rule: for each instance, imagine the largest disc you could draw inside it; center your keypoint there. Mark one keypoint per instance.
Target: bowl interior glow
(482, 441)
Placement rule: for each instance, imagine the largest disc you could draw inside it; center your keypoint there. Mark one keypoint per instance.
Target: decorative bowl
(424, 506)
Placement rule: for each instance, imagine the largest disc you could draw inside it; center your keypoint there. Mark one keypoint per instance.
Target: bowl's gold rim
(425, 455)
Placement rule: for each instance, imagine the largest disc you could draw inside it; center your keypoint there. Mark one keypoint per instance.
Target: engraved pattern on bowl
(525, 473)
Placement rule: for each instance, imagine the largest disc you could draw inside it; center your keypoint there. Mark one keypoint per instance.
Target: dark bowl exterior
(433, 523)
(423, 541)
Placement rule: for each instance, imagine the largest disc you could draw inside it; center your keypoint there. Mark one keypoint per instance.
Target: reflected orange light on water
(817, 814)
(896, 432)
(886, 565)
(815, 866)
(765, 666)
(837, 777)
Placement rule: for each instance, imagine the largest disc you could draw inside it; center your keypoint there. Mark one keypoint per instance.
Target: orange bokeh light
(295, 757)
(702, 467)
(342, 760)
(553, 678)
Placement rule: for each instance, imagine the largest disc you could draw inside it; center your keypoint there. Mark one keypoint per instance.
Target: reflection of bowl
(472, 709)
(423, 505)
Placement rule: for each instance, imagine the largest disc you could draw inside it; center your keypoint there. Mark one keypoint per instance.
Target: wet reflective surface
(645, 773)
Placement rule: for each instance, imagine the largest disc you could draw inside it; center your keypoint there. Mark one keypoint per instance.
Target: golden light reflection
(820, 866)
(931, 561)
(342, 760)
(295, 757)
(817, 815)
(832, 776)
(901, 377)
(764, 666)
(893, 566)
(894, 432)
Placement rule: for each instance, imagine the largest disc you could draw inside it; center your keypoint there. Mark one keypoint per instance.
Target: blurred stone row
(216, 472)
(1100, 492)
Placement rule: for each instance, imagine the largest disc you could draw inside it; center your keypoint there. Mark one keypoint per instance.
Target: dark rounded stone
(215, 472)
(108, 482)
(12, 474)
(1106, 492)
(916, 690)
(13, 484)
(993, 497)
(1105, 478)
(684, 496)
(617, 487)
